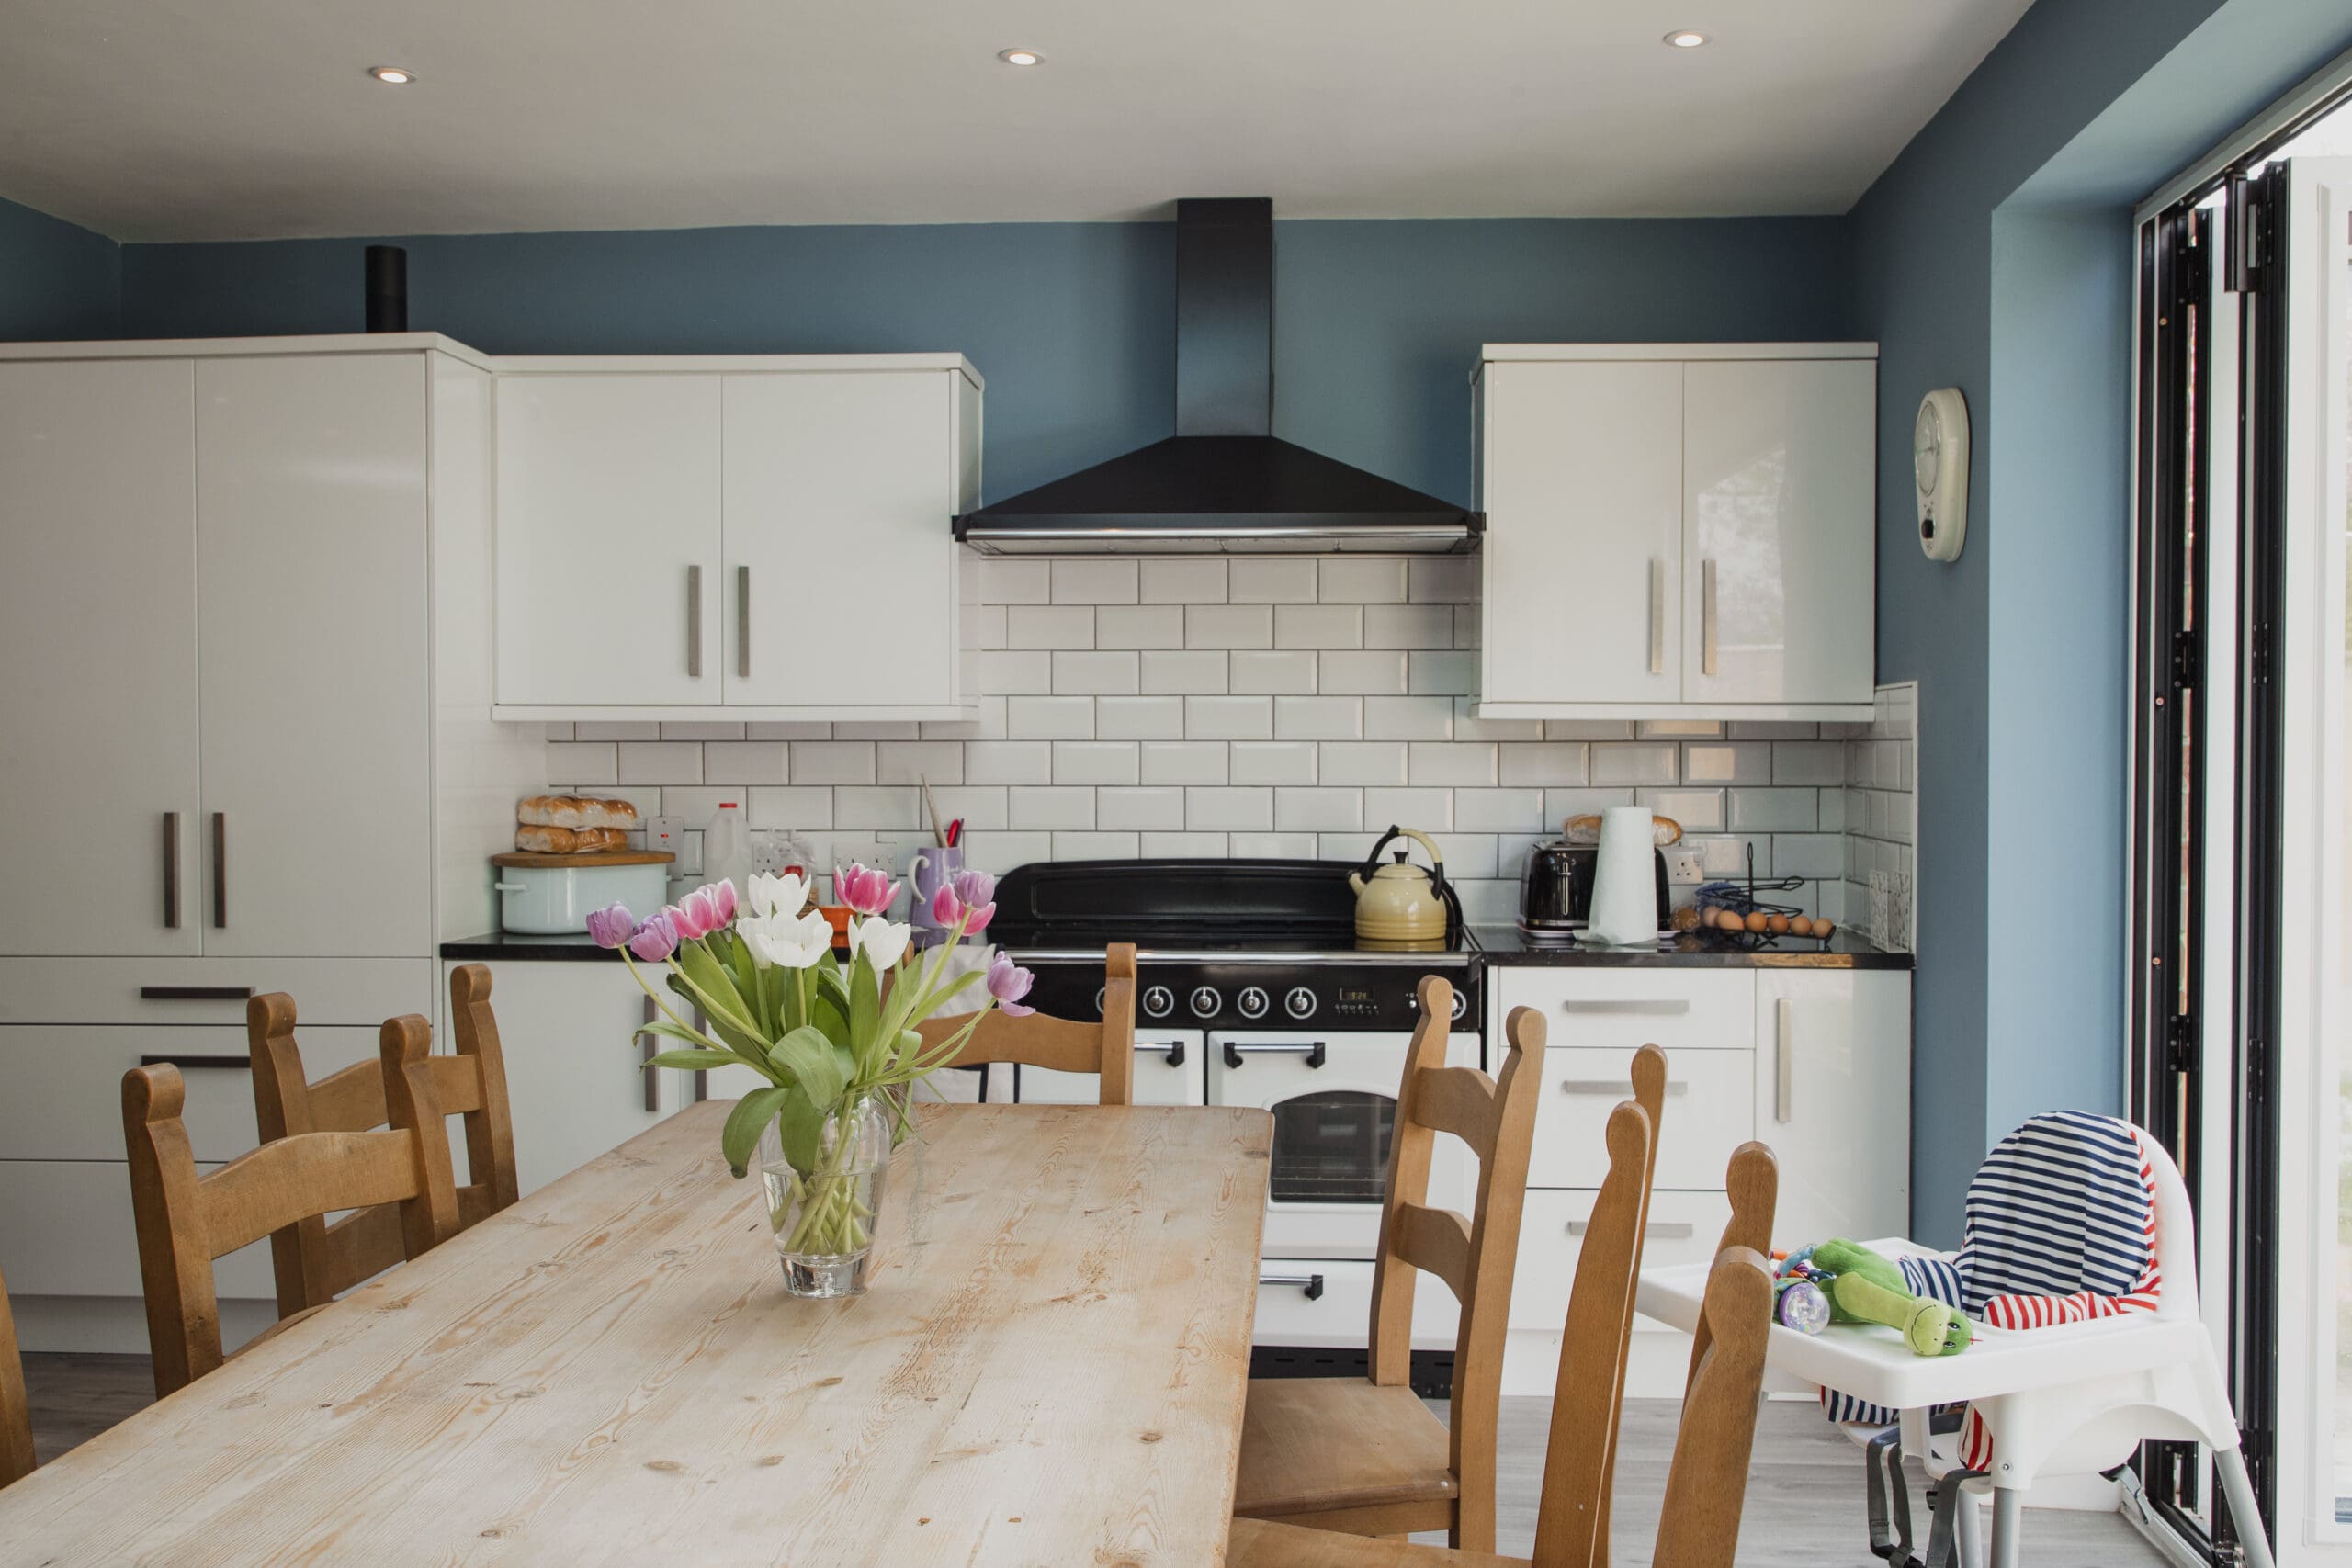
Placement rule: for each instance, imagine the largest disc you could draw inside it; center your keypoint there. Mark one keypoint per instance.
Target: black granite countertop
(1505, 947)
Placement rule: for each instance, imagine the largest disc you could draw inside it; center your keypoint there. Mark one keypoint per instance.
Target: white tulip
(785, 895)
(784, 941)
(881, 940)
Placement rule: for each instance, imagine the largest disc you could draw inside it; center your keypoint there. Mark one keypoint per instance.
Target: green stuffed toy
(1864, 1287)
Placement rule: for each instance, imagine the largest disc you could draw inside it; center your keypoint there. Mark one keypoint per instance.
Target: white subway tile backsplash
(1228, 625)
(1457, 764)
(1054, 806)
(615, 729)
(1096, 675)
(1184, 761)
(663, 762)
(1229, 718)
(1559, 804)
(1499, 810)
(1139, 718)
(1002, 851)
(1273, 763)
(584, 763)
(702, 729)
(1468, 626)
(916, 762)
(1365, 673)
(1269, 580)
(1441, 579)
(1367, 580)
(1003, 581)
(748, 763)
(1723, 762)
(1183, 582)
(1363, 762)
(1094, 762)
(1407, 718)
(1166, 674)
(1286, 673)
(1008, 762)
(876, 805)
(1049, 626)
(1677, 729)
(1451, 673)
(1771, 729)
(832, 762)
(984, 625)
(876, 730)
(1015, 671)
(1095, 583)
(980, 805)
(1156, 808)
(1698, 810)
(806, 807)
(1273, 846)
(780, 729)
(1808, 854)
(1318, 718)
(1319, 626)
(1543, 763)
(1408, 626)
(1230, 810)
(1430, 810)
(1139, 626)
(1096, 846)
(555, 732)
(1807, 763)
(1775, 810)
(1477, 855)
(1634, 763)
(1184, 846)
(1049, 718)
(1468, 727)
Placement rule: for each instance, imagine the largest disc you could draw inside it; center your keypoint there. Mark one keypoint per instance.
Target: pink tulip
(656, 938)
(696, 915)
(612, 925)
(867, 891)
(1007, 982)
(948, 911)
(976, 890)
(722, 896)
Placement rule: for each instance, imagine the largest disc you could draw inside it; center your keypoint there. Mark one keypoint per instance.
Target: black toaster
(1555, 888)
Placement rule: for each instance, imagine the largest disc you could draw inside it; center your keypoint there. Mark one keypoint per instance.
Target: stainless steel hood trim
(1190, 539)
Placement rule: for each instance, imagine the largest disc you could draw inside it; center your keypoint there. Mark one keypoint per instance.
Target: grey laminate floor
(1805, 1489)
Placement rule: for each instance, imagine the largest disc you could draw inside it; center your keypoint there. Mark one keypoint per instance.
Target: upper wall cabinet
(1677, 530)
(678, 537)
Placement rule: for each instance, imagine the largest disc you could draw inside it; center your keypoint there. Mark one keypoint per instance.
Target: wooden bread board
(599, 857)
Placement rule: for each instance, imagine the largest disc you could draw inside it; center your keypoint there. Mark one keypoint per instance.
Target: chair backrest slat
(1059, 1044)
(16, 1411)
(1475, 1257)
(1707, 1486)
(185, 1219)
(492, 1180)
(1753, 1183)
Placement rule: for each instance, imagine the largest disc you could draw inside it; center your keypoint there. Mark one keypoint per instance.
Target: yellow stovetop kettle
(1398, 905)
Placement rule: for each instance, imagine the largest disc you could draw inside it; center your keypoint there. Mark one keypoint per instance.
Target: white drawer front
(1340, 1316)
(66, 1230)
(65, 1095)
(1684, 1227)
(1621, 1010)
(1158, 1080)
(1709, 1111)
(109, 990)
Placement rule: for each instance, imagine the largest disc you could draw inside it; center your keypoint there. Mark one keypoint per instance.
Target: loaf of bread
(1664, 830)
(569, 840)
(574, 811)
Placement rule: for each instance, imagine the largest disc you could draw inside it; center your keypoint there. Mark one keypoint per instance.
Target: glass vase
(824, 1220)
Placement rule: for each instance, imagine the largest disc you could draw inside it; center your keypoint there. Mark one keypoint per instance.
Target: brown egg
(1779, 925)
(1757, 920)
(1798, 925)
(1729, 920)
(1823, 927)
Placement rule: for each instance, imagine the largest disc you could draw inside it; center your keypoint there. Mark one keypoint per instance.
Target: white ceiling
(205, 119)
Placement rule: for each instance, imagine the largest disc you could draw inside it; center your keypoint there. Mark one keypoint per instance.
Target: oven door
(1333, 1095)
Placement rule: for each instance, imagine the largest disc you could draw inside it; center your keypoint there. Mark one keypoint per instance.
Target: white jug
(1625, 882)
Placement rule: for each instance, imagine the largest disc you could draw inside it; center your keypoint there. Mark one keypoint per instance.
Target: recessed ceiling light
(1021, 57)
(1686, 40)
(394, 76)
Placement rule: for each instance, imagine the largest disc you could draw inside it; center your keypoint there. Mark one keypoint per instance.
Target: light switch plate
(666, 833)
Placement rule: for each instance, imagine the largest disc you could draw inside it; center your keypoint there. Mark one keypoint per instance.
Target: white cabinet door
(574, 1074)
(98, 626)
(609, 531)
(1833, 1098)
(841, 486)
(314, 688)
(1779, 509)
(1583, 495)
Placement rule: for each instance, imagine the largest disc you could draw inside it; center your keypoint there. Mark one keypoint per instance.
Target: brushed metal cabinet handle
(1663, 1004)
(1310, 1285)
(220, 870)
(1657, 616)
(694, 622)
(743, 623)
(1785, 1059)
(1619, 1089)
(171, 871)
(1707, 617)
(1659, 1230)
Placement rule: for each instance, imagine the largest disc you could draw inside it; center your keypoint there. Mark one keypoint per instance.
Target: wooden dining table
(1047, 1368)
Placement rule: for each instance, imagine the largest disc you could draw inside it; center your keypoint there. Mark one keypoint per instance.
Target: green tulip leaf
(865, 1003)
(801, 1128)
(744, 1123)
(695, 1061)
(809, 1056)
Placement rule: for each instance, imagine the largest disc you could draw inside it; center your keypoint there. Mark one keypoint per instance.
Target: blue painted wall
(1377, 324)
(56, 280)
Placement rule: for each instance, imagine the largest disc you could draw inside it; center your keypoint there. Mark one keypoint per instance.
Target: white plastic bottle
(727, 846)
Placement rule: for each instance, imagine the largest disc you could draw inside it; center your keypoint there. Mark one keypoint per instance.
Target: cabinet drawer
(1621, 1010)
(66, 1230)
(142, 990)
(1684, 1227)
(1340, 1315)
(64, 1099)
(1709, 1112)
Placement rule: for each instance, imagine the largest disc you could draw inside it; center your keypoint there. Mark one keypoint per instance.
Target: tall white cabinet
(1677, 530)
(249, 745)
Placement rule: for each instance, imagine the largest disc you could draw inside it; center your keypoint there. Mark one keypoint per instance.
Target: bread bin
(547, 894)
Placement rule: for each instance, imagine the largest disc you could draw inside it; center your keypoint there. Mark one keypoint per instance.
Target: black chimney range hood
(1222, 483)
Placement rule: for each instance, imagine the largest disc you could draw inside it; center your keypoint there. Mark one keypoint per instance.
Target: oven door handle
(1310, 1285)
(1312, 1050)
(1175, 1052)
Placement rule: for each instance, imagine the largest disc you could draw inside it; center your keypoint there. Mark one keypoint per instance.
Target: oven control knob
(1101, 994)
(1461, 1005)
(1205, 1001)
(1299, 1002)
(1159, 1000)
(1252, 1001)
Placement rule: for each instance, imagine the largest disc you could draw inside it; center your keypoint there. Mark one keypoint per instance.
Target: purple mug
(931, 868)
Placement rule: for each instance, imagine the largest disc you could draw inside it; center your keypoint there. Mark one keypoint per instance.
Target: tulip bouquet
(835, 1038)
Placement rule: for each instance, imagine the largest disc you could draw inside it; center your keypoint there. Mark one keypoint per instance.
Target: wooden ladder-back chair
(316, 1261)
(16, 1412)
(184, 1221)
(1365, 1456)
(1707, 1485)
(1061, 1045)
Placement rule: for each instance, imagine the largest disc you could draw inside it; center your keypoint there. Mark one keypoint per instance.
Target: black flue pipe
(387, 289)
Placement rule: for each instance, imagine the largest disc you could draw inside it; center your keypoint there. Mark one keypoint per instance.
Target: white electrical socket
(667, 833)
(1685, 865)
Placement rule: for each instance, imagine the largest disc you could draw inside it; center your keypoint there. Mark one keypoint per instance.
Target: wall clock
(1940, 469)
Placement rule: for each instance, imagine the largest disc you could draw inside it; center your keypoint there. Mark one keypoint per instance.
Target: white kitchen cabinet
(1584, 462)
(1833, 1098)
(575, 1073)
(1677, 530)
(1780, 519)
(97, 620)
(608, 539)
(676, 537)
